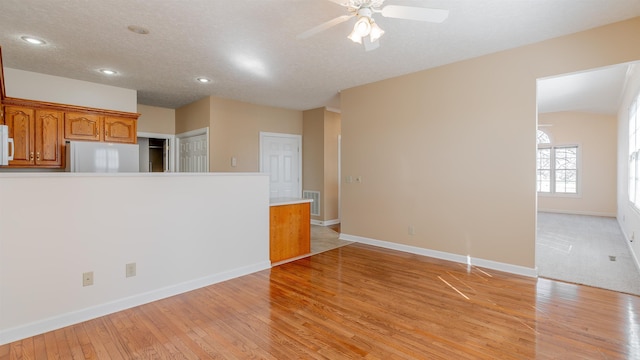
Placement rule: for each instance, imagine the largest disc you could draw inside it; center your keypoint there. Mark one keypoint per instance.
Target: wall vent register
(315, 205)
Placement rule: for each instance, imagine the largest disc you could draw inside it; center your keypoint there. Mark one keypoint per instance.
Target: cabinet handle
(31, 156)
(38, 156)
(106, 132)
(97, 132)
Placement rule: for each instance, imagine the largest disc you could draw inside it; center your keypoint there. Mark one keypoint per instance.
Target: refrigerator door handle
(12, 146)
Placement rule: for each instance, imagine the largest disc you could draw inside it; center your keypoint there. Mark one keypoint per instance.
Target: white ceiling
(598, 91)
(249, 47)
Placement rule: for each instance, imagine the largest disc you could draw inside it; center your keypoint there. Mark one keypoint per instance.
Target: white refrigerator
(6, 145)
(99, 157)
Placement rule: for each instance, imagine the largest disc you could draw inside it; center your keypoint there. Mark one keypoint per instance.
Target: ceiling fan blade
(415, 13)
(324, 26)
(368, 45)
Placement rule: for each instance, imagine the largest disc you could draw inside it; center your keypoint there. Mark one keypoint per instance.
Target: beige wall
(156, 120)
(451, 150)
(596, 137)
(196, 115)
(234, 129)
(332, 128)
(321, 129)
(313, 154)
(235, 132)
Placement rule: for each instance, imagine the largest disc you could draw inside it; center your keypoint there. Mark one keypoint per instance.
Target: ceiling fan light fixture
(376, 32)
(355, 37)
(363, 26)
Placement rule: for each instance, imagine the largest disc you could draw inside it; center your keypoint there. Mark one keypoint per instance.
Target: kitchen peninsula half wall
(182, 230)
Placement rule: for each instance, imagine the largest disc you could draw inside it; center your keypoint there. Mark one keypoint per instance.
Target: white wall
(184, 231)
(35, 86)
(628, 216)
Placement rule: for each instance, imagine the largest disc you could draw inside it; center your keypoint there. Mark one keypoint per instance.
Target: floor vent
(315, 205)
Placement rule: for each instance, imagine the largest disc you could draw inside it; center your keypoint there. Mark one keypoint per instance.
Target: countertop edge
(288, 201)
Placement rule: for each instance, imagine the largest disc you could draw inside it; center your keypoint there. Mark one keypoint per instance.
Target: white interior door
(280, 156)
(193, 153)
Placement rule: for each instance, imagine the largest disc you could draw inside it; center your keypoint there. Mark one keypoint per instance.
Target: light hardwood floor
(360, 301)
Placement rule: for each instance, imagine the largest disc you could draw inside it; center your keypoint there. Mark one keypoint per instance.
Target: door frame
(340, 177)
(188, 134)
(171, 139)
(298, 137)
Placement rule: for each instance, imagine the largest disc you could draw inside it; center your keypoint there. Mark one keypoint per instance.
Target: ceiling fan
(366, 31)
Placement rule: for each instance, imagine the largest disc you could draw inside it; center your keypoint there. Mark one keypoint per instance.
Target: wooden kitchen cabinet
(91, 127)
(39, 129)
(49, 145)
(122, 130)
(79, 126)
(20, 122)
(37, 136)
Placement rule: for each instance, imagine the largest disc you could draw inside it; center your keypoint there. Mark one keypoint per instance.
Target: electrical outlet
(412, 230)
(359, 179)
(87, 278)
(130, 270)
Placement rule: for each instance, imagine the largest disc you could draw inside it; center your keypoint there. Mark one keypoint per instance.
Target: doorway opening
(580, 187)
(156, 152)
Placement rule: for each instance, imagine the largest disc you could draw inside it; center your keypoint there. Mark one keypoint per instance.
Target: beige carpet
(323, 239)
(588, 250)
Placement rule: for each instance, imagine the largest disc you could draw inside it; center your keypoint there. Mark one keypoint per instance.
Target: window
(543, 138)
(634, 152)
(557, 167)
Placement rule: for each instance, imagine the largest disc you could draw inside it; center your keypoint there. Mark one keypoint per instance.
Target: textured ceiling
(249, 47)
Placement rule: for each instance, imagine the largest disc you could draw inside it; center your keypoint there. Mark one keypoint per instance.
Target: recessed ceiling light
(33, 40)
(108, 71)
(203, 80)
(138, 29)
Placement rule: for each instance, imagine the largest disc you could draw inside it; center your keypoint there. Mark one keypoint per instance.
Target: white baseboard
(489, 264)
(575, 212)
(628, 241)
(325, 223)
(60, 321)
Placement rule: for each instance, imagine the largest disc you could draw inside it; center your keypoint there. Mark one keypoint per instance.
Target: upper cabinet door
(78, 126)
(20, 121)
(120, 130)
(48, 135)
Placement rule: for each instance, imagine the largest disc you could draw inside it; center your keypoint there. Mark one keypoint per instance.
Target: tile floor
(325, 238)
